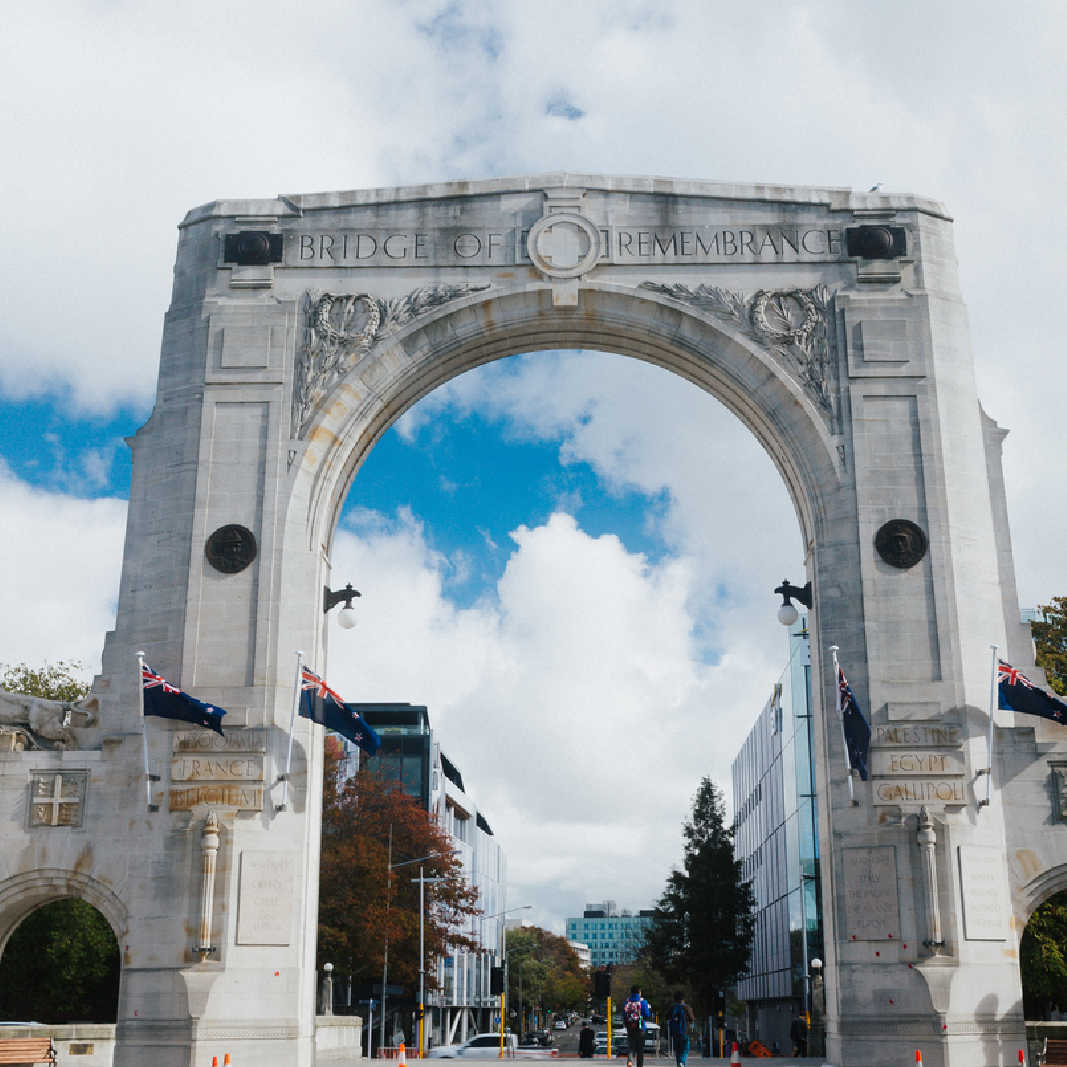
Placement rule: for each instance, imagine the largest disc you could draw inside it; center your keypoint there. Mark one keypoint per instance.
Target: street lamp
(346, 617)
(391, 866)
(787, 613)
(422, 880)
(504, 964)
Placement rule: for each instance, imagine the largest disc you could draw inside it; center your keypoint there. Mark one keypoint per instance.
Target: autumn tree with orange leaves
(355, 910)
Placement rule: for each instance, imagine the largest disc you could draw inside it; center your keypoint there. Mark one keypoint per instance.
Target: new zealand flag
(857, 729)
(1018, 693)
(319, 703)
(169, 702)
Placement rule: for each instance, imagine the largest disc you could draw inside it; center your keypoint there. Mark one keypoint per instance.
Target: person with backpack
(679, 1019)
(634, 1013)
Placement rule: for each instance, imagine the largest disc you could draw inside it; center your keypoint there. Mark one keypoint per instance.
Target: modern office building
(411, 754)
(613, 936)
(776, 841)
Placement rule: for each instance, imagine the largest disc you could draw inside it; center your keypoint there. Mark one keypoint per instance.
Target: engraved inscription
(265, 898)
(920, 791)
(225, 796)
(872, 906)
(57, 799)
(894, 762)
(235, 741)
(917, 735)
(216, 769)
(985, 893)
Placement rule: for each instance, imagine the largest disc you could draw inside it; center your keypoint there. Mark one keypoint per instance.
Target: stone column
(209, 850)
(927, 838)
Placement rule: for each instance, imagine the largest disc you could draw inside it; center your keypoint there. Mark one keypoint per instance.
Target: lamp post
(422, 880)
(787, 613)
(346, 617)
(504, 964)
(390, 867)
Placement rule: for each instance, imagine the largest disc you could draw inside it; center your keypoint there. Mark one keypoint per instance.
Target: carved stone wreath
(340, 329)
(796, 324)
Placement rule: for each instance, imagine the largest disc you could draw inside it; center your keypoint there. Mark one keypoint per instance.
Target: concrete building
(612, 936)
(777, 843)
(583, 952)
(411, 753)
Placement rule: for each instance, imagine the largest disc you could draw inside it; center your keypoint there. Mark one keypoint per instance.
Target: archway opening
(61, 964)
(1043, 961)
(638, 530)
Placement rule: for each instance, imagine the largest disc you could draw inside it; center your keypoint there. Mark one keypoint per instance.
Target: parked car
(560, 1023)
(480, 1045)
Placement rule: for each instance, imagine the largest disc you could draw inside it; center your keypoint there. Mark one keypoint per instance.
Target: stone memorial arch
(829, 322)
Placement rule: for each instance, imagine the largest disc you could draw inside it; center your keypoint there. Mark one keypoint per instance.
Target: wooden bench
(1054, 1054)
(27, 1050)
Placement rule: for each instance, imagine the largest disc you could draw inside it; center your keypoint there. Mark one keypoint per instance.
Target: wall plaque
(920, 791)
(906, 761)
(265, 898)
(57, 798)
(984, 886)
(872, 906)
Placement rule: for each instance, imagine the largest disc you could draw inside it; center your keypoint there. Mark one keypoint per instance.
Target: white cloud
(576, 703)
(59, 571)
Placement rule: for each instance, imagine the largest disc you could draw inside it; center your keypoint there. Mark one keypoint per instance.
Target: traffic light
(496, 981)
(601, 983)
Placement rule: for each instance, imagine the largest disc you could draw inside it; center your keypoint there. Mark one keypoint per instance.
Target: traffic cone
(1022, 1058)
(226, 1060)
(918, 1057)
(735, 1053)
(214, 1061)
(402, 1059)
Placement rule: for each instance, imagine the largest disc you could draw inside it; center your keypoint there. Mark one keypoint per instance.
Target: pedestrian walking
(586, 1041)
(798, 1034)
(679, 1019)
(634, 1013)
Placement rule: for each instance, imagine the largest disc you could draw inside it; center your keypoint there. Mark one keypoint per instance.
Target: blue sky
(550, 545)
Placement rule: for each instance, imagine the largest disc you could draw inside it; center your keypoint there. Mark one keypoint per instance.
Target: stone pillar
(927, 838)
(209, 850)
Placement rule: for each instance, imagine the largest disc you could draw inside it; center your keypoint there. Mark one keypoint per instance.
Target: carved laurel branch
(795, 324)
(340, 329)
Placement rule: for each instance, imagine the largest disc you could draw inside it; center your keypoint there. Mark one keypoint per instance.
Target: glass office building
(777, 842)
(613, 936)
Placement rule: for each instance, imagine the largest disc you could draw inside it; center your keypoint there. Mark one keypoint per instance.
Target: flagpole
(989, 740)
(292, 725)
(841, 719)
(149, 778)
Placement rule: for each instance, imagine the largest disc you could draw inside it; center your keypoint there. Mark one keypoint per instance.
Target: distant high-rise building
(612, 936)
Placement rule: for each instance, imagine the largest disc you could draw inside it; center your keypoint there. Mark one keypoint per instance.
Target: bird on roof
(877, 185)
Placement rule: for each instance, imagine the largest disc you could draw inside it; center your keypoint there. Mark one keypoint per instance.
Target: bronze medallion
(231, 548)
(901, 543)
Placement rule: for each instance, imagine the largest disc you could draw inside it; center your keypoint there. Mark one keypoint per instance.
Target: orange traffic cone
(402, 1059)
(918, 1057)
(214, 1061)
(226, 1060)
(735, 1053)
(1022, 1058)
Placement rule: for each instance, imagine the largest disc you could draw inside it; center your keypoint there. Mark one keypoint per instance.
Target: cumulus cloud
(59, 571)
(575, 701)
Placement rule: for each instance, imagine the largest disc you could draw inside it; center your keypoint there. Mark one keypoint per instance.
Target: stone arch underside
(24, 893)
(747, 379)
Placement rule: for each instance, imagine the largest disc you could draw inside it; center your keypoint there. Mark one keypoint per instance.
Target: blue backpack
(678, 1021)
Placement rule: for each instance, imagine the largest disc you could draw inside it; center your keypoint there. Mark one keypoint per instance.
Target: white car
(483, 1045)
(560, 1024)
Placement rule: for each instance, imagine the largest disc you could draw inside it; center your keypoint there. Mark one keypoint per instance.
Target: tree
(702, 926)
(1043, 958)
(54, 681)
(61, 965)
(1050, 639)
(546, 970)
(356, 912)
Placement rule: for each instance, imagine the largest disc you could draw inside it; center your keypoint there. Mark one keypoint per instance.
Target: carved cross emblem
(562, 246)
(56, 799)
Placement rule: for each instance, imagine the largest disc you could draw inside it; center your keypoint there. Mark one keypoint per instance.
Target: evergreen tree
(1050, 637)
(702, 927)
